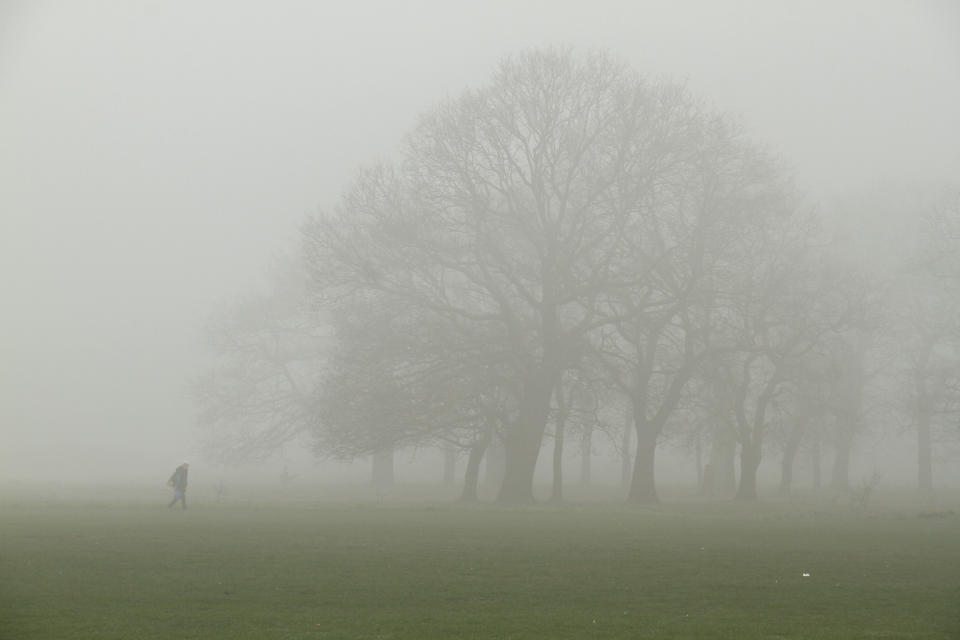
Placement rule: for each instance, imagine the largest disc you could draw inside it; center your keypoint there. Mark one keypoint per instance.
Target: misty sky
(155, 156)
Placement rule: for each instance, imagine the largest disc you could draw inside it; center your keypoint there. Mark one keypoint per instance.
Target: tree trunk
(643, 487)
(556, 494)
(749, 464)
(586, 457)
(523, 443)
(449, 466)
(382, 469)
(472, 476)
(522, 450)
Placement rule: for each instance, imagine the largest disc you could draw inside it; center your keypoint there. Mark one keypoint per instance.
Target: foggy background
(155, 157)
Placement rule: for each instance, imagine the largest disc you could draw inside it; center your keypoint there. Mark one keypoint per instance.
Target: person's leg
(183, 500)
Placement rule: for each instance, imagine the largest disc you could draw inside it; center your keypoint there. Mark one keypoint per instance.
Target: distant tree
(833, 392)
(514, 215)
(940, 249)
(902, 364)
(710, 401)
(575, 408)
(805, 406)
(855, 366)
(923, 302)
(794, 305)
(394, 380)
(929, 330)
(664, 325)
(268, 352)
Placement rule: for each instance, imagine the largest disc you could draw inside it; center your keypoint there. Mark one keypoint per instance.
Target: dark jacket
(179, 479)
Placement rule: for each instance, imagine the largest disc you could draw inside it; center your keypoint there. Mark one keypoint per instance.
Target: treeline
(569, 244)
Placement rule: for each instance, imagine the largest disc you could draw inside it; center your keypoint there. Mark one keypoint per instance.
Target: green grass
(131, 569)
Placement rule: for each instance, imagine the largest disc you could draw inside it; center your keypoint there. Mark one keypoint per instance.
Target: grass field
(258, 569)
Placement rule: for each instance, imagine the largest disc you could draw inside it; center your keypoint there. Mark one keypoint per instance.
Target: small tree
(269, 350)
(926, 302)
(794, 307)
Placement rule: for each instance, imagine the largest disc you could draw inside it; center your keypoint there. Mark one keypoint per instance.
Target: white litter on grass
(806, 575)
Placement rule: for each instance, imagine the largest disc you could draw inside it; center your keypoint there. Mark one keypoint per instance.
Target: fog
(156, 158)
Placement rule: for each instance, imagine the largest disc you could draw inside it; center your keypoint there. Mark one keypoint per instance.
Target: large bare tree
(514, 212)
(268, 350)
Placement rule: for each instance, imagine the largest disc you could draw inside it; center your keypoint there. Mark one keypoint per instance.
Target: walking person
(179, 483)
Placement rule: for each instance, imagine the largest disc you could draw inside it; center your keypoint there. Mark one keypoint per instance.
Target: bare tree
(930, 371)
(575, 409)
(925, 298)
(510, 217)
(393, 380)
(268, 350)
(795, 304)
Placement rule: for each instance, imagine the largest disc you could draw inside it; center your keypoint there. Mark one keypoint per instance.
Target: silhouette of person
(179, 483)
